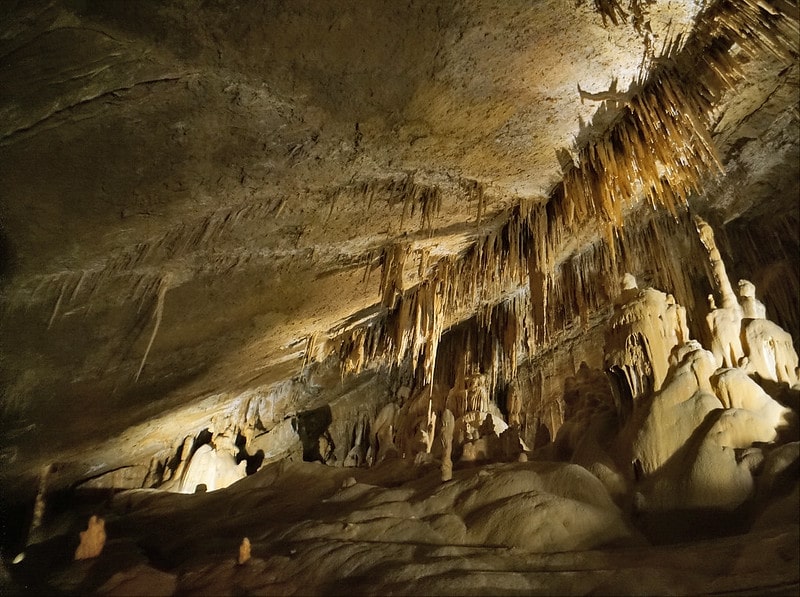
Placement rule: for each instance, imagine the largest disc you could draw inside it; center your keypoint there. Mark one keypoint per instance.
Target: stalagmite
(457, 398)
(244, 551)
(724, 321)
(752, 308)
(770, 351)
(39, 506)
(356, 456)
(430, 428)
(213, 467)
(514, 407)
(736, 389)
(693, 441)
(93, 539)
(448, 426)
(477, 394)
(725, 326)
(740, 329)
(381, 442)
(720, 276)
(643, 332)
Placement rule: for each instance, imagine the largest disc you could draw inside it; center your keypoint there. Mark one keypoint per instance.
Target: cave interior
(387, 297)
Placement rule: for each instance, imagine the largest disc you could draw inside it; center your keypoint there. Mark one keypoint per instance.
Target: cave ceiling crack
(12, 136)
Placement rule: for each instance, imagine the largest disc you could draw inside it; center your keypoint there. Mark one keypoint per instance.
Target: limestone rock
(643, 331)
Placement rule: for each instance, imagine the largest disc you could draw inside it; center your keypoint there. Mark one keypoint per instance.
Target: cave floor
(394, 529)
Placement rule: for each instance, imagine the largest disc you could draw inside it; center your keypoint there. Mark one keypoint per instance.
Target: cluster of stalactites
(557, 300)
(491, 344)
(416, 197)
(586, 282)
(659, 149)
(416, 317)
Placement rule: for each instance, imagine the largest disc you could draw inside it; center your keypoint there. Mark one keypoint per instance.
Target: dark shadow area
(7, 258)
(621, 391)
(311, 426)
(698, 524)
(254, 461)
(66, 514)
(679, 526)
(542, 436)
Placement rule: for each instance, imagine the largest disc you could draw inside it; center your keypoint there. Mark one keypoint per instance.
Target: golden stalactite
(660, 148)
(392, 273)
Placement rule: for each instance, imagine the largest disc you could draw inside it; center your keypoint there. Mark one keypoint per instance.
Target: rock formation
(644, 330)
(212, 467)
(244, 551)
(93, 539)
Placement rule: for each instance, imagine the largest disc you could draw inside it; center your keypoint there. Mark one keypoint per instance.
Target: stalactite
(157, 314)
(475, 191)
(57, 305)
(310, 350)
(78, 285)
(394, 260)
(414, 196)
(660, 148)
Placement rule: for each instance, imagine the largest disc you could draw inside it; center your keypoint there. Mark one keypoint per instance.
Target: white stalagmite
(725, 319)
(720, 276)
(695, 439)
(643, 332)
(213, 467)
(739, 327)
(244, 551)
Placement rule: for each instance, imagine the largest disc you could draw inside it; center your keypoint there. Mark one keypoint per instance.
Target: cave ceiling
(192, 191)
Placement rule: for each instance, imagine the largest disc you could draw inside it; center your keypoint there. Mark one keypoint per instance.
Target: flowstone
(643, 331)
(212, 467)
(697, 439)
